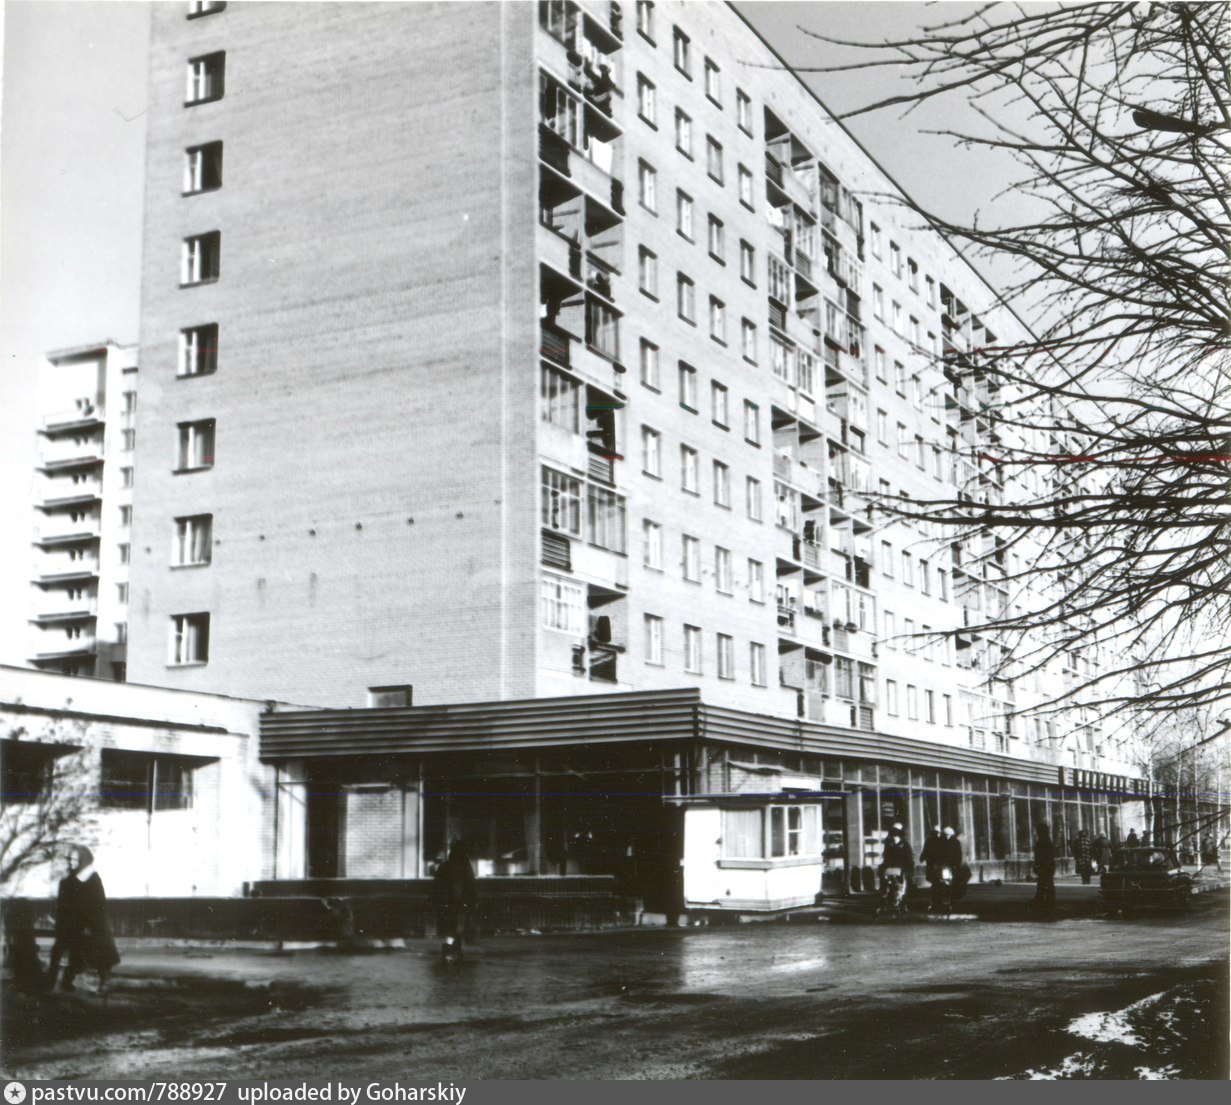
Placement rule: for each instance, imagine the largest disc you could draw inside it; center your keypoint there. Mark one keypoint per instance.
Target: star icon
(14, 1093)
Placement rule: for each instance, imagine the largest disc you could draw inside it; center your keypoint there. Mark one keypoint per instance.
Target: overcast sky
(72, 143)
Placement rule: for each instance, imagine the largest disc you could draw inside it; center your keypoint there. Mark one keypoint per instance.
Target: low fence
(336, 910)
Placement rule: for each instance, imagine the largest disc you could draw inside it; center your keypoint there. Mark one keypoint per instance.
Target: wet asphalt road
(802, 1000)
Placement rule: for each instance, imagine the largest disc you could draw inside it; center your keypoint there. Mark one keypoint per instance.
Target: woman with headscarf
(81, 921)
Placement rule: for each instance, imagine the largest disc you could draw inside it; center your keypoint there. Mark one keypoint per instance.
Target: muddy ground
(1072, 998)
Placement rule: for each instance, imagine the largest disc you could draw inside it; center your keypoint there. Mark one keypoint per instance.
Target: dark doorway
(326, 813)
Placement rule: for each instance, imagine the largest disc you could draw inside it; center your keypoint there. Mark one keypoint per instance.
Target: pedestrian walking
(1045, 866)
(81, 922)
(929, 854)
(456, 898)
(946, 856)
(1102, 852)
(1083, 853)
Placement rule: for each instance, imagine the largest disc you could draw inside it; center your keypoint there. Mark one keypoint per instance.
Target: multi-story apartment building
(542, 350)
(83, 510)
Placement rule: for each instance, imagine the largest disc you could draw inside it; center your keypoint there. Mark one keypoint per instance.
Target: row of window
(930, 715)
(694, 651)
(911, 271)
(579, 508)
(681, 52)
(647, 186)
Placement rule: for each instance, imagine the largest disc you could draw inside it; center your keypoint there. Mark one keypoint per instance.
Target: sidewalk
(1013, 901)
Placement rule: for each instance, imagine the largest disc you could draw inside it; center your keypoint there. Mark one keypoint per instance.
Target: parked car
(1143, 878)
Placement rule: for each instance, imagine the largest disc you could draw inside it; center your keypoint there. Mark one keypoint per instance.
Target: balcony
(58, 576)
(563, 256)
(51, 619)
(87, 457)
(84, 417)
(68, 539)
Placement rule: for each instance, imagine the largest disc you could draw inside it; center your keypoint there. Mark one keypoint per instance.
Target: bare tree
(50, 800)
(1094, 452)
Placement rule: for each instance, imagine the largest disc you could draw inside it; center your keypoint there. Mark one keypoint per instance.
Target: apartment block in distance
(524, 353)
(83, 510)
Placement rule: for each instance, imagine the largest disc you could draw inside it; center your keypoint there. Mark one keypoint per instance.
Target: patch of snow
(1077, 1065)
(1146, 1074)
(1115, 1027)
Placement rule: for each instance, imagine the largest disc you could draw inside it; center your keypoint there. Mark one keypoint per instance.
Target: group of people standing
(941, 851)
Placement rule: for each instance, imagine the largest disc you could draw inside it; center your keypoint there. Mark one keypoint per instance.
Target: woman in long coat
(81, 921)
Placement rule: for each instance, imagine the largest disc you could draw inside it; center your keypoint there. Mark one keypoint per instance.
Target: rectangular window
(756, 664)
(189, 639)
(920, 454)
(745, 187)
(564, 605)
(722, 484)
(756, 581)
(683, 132)
(651, 452)
(128, 440)
(681, 52)
(887, 560)
(126, 477)
(891, 697)
(683, 214)
(196, 445)
(752, 423)
(692, 559)
(605, 518)
(874, 232)
(199, 350)
(653, 639)
(561, 506)
(897, 318)
(126, 516)
(748, 340)
(688, 386)
(690, 479)
(142, 781)
(948, 705)
(204, 7)
(912, 702)
(203, 168)
(647, 100)
(121, 592)
(647, 272)
(717, 239)
(206, 78)
(686, 298)
(193, 540)
(652, 545)
(647, 186)
(692, 649)
(925, 577)
(200, 258)
(719, 404)
(747, 263)
(726, 656)
(890, 629)
(899, 378)
(645, 18)
(713, 82)
(722, 569)
(895, 259)
(942, 578)
(125, 554)
(649, 365)
(882, 427)
(753, 493)
(907, 573)
(903, 441)
(602, 328)
(718, 320)
(561, 111)
(743, 111)
(912, 272)
(878, 302)
(931, 289)
(878, 360)
(559, 399)
(713, 158)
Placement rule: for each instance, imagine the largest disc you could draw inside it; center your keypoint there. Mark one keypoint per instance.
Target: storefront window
(980, 836)
(791, 830)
